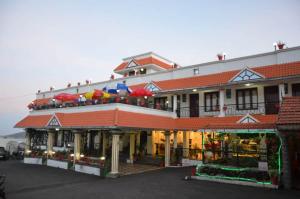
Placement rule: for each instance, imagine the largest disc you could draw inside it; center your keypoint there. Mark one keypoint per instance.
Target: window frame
(244, 107)
(211, 107)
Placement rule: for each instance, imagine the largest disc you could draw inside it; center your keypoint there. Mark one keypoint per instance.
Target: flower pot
(280, 46)
(274, 180)
(220, 57)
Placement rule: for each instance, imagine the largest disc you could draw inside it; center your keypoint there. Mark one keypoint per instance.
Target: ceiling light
(248, 84)
(194, 90)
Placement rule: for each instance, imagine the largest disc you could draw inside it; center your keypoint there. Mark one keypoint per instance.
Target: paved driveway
(32, 181)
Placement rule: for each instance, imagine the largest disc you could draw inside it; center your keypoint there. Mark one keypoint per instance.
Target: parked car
(3, 154)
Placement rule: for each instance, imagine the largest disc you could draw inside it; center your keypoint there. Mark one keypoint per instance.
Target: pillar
(175, 140)
(167, 148)
(138, 142)
(149, 143)
(115, 154)
(222, 102)
(174, 103)
(88, 141)
(50, 141)
(185, 145)
(28, 141)
(286, 164)
(281, 92)
(131, 146)
(77, 145)
(104, 143)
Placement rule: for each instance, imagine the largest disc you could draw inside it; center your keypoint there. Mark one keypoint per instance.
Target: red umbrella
(65, 97)
(97, 94)
(141, 92)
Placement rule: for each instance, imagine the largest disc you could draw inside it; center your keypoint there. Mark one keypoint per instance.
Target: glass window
(211, 101)
(196, 71)
(247, 99)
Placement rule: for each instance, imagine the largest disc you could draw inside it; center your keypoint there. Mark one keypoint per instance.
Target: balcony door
(194, 105)
(271, 99)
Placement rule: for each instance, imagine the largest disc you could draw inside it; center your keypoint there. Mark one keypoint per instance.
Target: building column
(149, 143)
(175, 141)
(104, 143)
(115, 154)
(131, 146)
(286, 164)
(174, 103)
(185, 144)
(99, 142)
(50, 141)
(167, 148)
(77, 145)
(138, 142)
(281, 92)
(222, 102)
(27, 141)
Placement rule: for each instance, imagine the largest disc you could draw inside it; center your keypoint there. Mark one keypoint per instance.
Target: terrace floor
(34, 181)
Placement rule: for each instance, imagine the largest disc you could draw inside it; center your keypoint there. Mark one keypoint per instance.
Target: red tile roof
(144, 61)
(216, 79)
(118, 118)
(289, 112)
(39, 121)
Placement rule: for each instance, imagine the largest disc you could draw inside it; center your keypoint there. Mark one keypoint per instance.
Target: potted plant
(280, 44)
(274, 176)
(220, 56)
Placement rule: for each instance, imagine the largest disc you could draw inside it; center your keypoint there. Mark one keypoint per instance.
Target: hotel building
(221, 115)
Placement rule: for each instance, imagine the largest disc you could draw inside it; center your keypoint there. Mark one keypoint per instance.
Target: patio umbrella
(63, 97)
(141, 92)
(123, 90)
(105, 95)
(89, 95)
(97, 94)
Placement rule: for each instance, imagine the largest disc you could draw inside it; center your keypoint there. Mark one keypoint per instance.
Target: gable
(152, 87)
(132, 63)
(246, 74)
(53, 122)
(247, 119)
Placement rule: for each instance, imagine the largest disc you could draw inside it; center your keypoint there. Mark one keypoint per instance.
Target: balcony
(230, 109)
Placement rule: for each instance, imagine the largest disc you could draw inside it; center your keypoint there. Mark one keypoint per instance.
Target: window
(131, 73)
(247, 99)
(196, 71)
(296, 89)
(211, 101)
(245, 75)
(151, 87)
(161, 103)
(183, 97)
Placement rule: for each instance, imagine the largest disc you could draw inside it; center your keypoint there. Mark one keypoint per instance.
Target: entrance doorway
(194, 105)
(271, 99)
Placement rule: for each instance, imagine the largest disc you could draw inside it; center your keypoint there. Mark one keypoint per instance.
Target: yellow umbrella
(89, 95)
(105, 95)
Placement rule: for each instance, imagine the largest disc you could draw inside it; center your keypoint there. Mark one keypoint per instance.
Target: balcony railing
(97, 102)
(230, 109)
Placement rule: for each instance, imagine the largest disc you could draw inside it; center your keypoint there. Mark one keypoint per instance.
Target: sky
(50, 43)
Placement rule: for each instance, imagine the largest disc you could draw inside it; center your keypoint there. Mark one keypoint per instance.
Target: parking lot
(33, 181)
